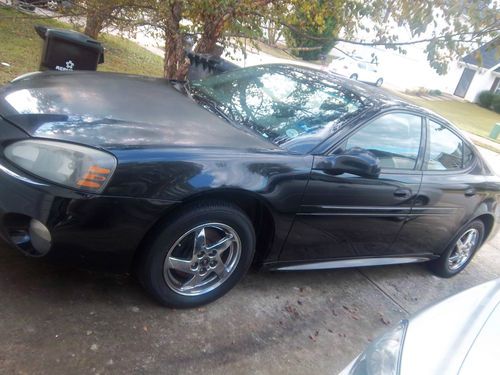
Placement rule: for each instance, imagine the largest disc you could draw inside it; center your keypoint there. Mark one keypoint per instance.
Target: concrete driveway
(55, 320)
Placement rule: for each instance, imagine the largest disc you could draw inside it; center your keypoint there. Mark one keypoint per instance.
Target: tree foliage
(320, 19)
(446, 28)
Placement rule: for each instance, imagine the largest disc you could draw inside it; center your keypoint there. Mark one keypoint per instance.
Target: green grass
(20, 46)
(467, 116)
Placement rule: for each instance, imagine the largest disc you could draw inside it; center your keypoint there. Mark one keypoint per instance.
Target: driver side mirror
(357, 161)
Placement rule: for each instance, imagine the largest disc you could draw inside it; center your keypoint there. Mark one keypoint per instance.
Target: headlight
(67, 164)
(383, 356)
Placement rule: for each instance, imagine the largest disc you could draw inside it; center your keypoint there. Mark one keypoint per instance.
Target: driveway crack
(383, 291)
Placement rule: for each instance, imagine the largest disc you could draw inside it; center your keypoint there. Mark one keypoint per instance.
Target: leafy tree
(211, 21)
(446, 28)
(320, 20)
(100, 14)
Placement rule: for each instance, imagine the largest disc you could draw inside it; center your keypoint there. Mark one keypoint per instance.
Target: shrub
(422, 91)
(495, 103)
(435, 92)
(486, 99)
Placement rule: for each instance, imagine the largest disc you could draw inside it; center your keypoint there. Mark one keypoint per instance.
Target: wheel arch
(488, 221)
(485, 212)
(255, 207)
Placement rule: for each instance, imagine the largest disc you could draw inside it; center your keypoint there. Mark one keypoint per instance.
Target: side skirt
(347, 263)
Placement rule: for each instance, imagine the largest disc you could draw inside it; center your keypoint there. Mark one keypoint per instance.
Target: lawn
(21, 47)
(467, 116)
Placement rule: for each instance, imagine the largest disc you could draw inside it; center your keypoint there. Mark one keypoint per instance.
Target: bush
(495, 103)
(435, 92)
(421, 91)
(486, 99)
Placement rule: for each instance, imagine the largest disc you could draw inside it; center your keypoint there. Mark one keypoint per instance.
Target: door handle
(402, 193)
(470, 192)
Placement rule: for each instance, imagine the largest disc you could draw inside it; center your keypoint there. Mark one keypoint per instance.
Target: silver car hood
(456, 336)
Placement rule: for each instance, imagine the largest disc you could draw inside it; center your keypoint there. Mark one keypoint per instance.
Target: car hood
(112, 110)
(441, 339)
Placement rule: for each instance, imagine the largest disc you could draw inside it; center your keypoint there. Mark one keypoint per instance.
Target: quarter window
(446, 151)
(394, 138)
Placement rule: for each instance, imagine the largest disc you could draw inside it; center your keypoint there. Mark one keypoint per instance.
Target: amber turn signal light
(94, 177)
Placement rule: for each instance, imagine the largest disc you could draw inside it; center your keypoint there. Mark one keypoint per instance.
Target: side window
(394, 138)
(445, 150)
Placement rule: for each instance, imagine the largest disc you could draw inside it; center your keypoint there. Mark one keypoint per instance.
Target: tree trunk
(212, 31)
(98, 15)
(176, 64)
(93, 25)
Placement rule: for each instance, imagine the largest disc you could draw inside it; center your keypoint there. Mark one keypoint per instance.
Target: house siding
(483, 80)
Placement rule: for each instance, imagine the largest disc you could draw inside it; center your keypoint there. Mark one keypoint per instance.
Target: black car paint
(171, 151)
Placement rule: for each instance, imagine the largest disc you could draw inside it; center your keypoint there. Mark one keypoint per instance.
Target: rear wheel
(354, 76)
(460, 252)
(199, 256)
(379, 82)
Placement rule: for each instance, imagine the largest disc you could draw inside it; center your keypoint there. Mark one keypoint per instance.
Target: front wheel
(379, 82)
(199, 256)
(460, 252)
(354, 76)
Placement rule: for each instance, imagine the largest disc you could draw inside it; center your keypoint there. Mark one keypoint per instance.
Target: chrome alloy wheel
(463, 249)
(202, 259)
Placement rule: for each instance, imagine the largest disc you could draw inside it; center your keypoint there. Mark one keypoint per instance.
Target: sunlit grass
(21, 47)
(467, 116)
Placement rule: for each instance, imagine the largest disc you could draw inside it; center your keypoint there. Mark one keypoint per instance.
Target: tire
(354, 76)
(169, 269)
(379, 82)
(444, 266)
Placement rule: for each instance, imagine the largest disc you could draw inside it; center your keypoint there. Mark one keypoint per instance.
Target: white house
(481, 71)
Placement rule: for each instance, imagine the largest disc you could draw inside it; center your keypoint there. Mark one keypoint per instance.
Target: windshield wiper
(214, 107)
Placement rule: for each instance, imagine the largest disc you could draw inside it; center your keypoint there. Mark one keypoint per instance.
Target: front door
(346, 216)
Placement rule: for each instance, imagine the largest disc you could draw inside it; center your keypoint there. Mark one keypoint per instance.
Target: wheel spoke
(200, 241)
(221, 270)
(180, 265)
(471, 238)
(221, 245)
(193, 282)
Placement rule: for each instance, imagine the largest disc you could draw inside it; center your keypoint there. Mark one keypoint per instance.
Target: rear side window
(446, 151)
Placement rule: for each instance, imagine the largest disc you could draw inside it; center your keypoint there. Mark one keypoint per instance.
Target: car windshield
(281, 103)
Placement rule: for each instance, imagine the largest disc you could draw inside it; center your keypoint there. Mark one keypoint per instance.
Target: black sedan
(189, 184)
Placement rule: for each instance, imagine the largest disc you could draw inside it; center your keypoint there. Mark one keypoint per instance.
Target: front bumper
(91, 230)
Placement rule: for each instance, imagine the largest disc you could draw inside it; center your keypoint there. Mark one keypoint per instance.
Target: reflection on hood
(107, 109)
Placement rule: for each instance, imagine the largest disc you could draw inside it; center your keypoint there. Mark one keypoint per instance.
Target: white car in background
(357, 69)
(458, 336)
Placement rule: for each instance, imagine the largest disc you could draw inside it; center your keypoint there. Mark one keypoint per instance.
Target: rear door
(451, 191)
(347, 216)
